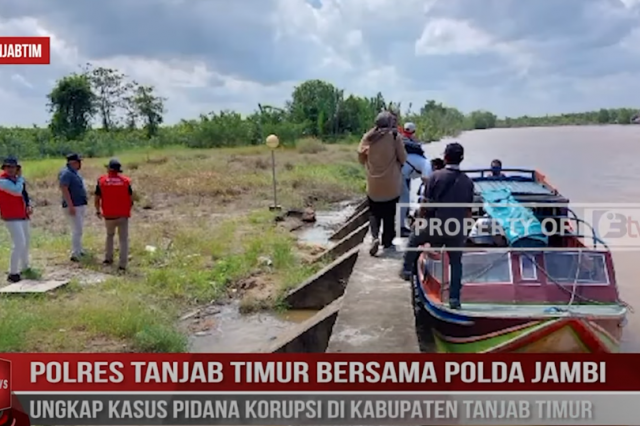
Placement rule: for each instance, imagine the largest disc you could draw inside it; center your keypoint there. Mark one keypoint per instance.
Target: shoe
(405, 275)
(375, 245)
(454, 304)
(75, 258)
(107, 262)
(122, 269)
(14, 278)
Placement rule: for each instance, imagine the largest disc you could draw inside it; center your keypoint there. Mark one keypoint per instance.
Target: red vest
(12, 206)
(116, 199)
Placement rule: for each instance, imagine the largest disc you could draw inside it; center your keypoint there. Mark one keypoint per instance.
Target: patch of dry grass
(205, 212)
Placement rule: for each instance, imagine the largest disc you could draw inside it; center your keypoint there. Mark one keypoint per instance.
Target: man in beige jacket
(382, 152)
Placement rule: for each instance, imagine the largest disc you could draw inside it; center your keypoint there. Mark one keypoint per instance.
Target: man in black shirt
(448, 185)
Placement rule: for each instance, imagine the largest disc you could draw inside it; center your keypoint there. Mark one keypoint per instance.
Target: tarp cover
(521, 227)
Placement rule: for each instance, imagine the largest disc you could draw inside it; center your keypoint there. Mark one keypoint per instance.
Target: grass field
(206, 214)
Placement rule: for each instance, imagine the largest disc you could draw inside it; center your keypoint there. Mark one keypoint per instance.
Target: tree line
(99, 111)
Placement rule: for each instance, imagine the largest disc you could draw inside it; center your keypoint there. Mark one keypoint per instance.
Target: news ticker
(616, 224)
(402, 408)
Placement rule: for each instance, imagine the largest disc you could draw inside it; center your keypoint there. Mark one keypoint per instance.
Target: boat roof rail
(488, 173)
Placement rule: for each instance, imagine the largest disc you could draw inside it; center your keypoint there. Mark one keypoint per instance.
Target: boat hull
(443, 330)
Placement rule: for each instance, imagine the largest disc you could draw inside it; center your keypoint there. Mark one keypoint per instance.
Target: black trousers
(382, 215)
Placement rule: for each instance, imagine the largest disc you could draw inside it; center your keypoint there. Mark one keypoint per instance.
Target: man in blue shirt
(74, 202)
(416, 166)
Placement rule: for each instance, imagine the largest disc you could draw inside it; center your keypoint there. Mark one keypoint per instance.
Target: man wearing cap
(14, 210)
(448, 185)
(416, 166)
(113, 202)
(74, 202)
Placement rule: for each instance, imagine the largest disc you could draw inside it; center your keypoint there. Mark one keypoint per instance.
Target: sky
(512, 57)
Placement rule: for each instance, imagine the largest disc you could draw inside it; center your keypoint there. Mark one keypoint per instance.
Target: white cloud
(515, 58)
(21, 80)
(452, 37)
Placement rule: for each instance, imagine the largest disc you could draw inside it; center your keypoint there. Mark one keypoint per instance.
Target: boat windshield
(486, 268)
(570, 267)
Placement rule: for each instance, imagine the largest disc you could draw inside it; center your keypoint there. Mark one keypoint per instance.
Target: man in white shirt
(416, 166)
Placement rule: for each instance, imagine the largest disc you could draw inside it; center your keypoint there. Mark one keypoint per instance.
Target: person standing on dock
(416, 166)
(448, 185)
(74, 202)
(14, 210)
(113, 203)
(382, 152)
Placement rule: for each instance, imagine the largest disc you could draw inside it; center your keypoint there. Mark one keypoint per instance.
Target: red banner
(318, 372)
(25, 50)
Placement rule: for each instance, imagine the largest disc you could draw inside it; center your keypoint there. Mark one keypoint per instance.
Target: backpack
(413, 148)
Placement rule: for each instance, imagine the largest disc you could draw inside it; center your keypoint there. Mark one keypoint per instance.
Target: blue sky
(511, 57)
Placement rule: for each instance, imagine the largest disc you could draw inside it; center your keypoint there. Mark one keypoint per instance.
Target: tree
(603, 116)
(110, 87)
(315, 102)
(483, 120)
(130, 110)
(71, 103)
(149, 107)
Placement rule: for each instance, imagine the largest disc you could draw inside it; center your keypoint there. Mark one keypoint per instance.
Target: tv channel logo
(5, 384)
(617, 225)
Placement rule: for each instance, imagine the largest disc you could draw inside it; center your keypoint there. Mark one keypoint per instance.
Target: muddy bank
(224, 328)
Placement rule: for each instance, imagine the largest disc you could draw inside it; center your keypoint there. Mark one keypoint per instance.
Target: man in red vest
(113, 202)
(14, 211)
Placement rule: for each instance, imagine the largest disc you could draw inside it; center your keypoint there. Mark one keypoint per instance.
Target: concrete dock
(376, 315)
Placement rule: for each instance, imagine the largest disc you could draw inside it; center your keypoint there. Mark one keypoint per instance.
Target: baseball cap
(10, 161)
(409, 127)
(114, 164)
(74, 157)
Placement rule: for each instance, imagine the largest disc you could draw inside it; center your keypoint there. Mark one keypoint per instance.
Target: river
(587, 164)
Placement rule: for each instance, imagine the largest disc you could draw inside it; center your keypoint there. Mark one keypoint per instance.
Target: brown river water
(587, 164)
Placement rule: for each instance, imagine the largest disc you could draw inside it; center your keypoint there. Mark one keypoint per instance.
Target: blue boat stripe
(443, 315)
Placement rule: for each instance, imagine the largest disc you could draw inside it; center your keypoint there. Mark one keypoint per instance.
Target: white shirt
(421, 167)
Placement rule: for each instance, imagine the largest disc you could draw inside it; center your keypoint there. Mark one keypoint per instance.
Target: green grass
(211, 229)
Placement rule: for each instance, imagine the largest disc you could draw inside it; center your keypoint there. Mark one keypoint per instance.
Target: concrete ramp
(325, 286)
(346, 244)
(362, 205)
(311, 336)
(377, 312)
(351, 225)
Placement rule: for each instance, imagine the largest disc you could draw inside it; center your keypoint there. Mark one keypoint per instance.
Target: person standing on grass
(113, 203)
(14, 210)
(382, 152)
(74, 202)
(27, 225)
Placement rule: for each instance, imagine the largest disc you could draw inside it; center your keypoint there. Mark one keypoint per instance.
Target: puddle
(327, 222)
(231, 331)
